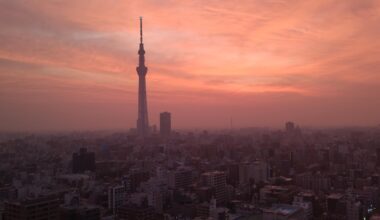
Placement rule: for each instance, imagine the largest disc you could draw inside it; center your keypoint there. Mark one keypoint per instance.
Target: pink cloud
(251, 58)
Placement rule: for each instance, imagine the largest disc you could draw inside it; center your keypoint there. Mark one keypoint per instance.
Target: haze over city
(190, 110)
(70, 65)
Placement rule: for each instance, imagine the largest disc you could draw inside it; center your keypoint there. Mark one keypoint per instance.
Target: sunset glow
(72, 64)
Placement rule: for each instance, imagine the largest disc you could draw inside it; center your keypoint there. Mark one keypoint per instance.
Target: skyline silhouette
(71, 66)
(252, 109)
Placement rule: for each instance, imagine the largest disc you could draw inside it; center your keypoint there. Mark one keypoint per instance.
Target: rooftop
(283, 209)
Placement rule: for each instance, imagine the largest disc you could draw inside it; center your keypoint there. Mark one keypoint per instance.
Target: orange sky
(71, 64)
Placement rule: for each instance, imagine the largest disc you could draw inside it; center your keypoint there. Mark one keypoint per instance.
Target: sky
(71, 65)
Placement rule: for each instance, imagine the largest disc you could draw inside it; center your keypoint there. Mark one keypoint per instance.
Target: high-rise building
(83, 161)
(217, 180)
(116, 197)
(165, 124)
(180, 178)
(44, 207)
(142, 120)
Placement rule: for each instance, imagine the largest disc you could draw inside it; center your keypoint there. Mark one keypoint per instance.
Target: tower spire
(141, 32)
(142, 120)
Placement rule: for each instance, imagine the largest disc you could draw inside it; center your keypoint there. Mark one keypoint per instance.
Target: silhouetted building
(116, 197)
(165, 124)
(180, 178)
(83, 161)
(233, 174)
(142, 120)
(289, 126)
(336, 206)
(41, 208)
(325, 158)
(133, 180)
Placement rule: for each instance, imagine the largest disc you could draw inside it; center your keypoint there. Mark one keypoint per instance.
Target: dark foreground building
(41, 208)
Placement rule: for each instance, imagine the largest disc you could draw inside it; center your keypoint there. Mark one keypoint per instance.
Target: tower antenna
(141, 32)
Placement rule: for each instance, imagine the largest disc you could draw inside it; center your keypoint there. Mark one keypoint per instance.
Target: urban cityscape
(156, 170)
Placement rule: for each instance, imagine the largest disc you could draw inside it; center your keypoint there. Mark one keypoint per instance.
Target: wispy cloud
(246, 57)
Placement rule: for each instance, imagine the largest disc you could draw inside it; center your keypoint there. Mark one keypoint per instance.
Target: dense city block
(251, 173)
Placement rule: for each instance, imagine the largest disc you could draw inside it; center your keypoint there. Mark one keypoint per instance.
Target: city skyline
(70, 66)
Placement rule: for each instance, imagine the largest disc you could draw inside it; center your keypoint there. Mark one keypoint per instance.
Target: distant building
(233, 174)
(40, 208)
(378, 156)
(217, 180)
(289, 126)
(116, 197)
(83, 161)
(313, 181)
(165, 124)
(257, 171)
(277, 194)
(180, 178)
(134, 179)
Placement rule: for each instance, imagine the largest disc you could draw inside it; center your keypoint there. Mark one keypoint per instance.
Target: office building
(83, 161)
(116, 197)
(165, 124)
(217, 180)
(39, 208)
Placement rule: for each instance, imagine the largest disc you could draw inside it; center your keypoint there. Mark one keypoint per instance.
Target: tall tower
(142, 120)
